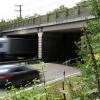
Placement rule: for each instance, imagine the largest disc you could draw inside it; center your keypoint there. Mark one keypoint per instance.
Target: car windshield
(19, 69)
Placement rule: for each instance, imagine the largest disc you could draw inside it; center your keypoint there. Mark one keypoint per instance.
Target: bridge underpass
(54, 46)
(33, 38)
(59, 45)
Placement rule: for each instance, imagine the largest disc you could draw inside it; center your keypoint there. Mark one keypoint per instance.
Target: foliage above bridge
(60, 14)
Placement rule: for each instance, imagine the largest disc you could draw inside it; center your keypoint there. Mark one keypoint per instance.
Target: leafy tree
(61, 8)
(95, 4)
(95, 7)
(89, 47)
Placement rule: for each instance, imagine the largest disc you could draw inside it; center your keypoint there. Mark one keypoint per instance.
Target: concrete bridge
(56, 33)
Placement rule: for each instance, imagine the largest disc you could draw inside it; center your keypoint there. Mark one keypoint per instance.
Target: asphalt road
(52, 71)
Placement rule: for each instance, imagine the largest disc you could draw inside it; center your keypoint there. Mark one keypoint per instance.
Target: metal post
(66, 12)
(78, 9)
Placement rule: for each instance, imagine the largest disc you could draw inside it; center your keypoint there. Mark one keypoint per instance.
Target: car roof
(10, 66)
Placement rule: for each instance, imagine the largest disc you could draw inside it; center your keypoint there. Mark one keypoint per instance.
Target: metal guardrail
(57, 16)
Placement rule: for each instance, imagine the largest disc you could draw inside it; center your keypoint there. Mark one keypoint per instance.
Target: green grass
(54, 91)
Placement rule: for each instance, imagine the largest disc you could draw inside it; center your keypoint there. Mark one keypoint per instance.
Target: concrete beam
(78, 22)
(67, 26)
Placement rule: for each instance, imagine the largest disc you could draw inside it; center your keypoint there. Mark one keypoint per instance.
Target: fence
(57, 16)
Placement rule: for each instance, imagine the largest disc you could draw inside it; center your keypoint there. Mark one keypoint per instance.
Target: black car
(17, 74)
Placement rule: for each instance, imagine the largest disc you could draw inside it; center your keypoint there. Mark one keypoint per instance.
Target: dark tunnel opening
(60, 46)
(24, 46)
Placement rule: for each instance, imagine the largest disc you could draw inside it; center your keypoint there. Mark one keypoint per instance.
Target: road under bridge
(54, 41)
(54, 45)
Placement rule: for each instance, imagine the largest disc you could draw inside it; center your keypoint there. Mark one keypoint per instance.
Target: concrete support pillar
(40, 45)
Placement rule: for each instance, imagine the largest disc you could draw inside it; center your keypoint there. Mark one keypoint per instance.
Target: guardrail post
(47, 17)
(78, 6)
(66, 12)
(56, 15)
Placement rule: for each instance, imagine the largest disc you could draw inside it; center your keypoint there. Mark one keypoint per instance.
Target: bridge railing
(58, 16)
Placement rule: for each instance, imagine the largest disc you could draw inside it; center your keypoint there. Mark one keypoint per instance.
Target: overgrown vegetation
(89, 47)
(85, 87)
(72, 89)
(90, 53)
(57, 14)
